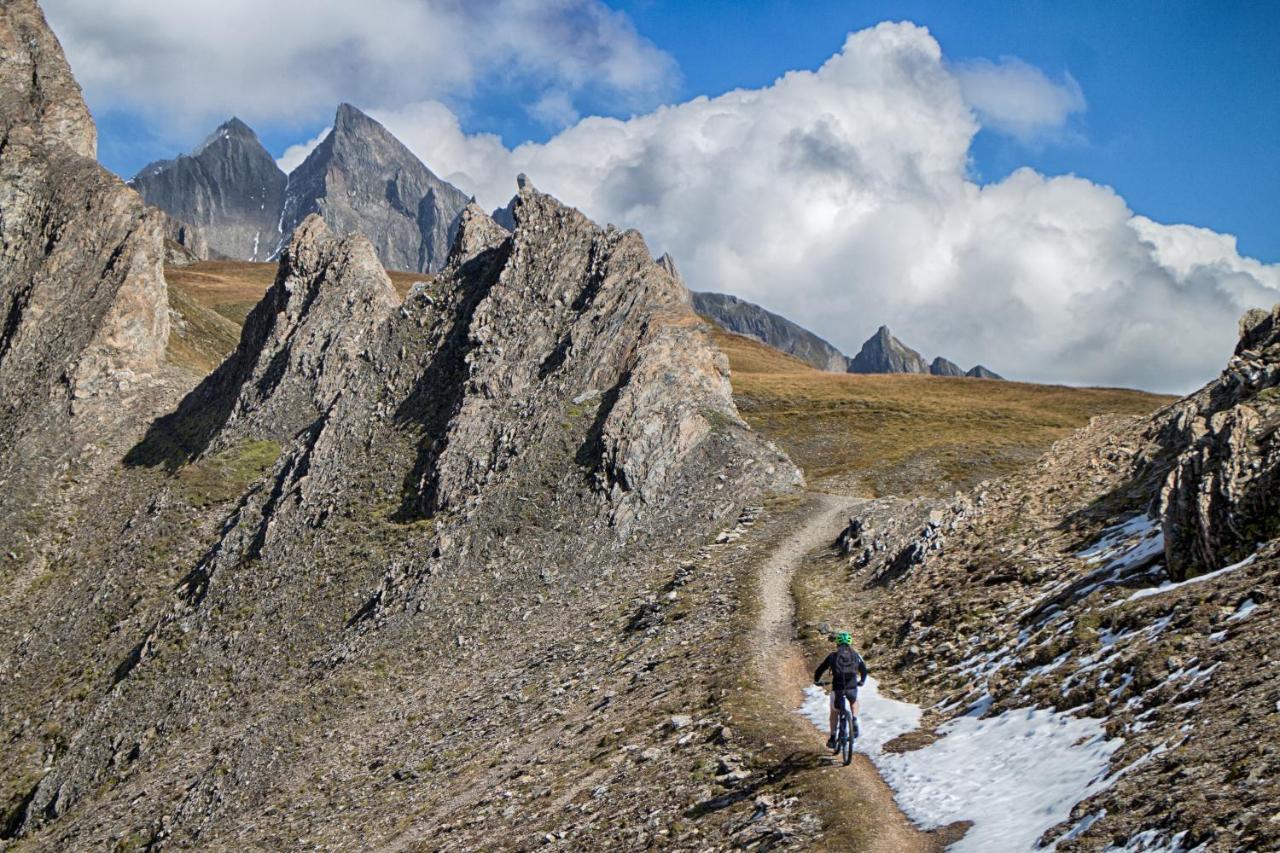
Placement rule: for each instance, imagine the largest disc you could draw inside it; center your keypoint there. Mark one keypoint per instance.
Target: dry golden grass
(902, 434)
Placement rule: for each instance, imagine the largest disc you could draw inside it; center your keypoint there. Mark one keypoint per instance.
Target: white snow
(256, 235)
(1167, 587)
(1244, 610)
(1116, 536)
(1153, 840)
(881, 719)
(1014, 775)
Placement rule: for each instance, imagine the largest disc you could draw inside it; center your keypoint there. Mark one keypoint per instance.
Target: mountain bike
(844, 733)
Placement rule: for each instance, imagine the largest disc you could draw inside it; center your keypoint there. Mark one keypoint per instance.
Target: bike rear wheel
(846, 739)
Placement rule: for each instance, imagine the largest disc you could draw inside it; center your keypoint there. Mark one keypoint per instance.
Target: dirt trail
(784, 671)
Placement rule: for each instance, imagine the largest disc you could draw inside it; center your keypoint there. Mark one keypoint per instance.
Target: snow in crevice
(1015, 775)
(1123, 551)
(1153, 840)
(1170, 586)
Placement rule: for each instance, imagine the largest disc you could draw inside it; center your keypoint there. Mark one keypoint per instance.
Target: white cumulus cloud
(1017, 98)
(841, 198)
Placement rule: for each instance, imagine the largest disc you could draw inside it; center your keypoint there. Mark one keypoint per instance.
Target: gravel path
(782, 668)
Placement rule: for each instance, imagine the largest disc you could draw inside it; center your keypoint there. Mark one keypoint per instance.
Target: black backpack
(845, 666)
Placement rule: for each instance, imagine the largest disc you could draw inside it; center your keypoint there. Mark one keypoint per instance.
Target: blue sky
(1183, 99)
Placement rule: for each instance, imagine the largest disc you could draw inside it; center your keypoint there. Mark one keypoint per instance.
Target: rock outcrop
(363, 180)
(81, 287)
(349, 519)
(1128, 583)
(942, 367)
(1222, 497)
(229, 188)
(744, 318)
(38, 92)
(883, 353)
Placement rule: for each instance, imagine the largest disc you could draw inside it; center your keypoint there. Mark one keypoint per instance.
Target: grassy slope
(907, 435)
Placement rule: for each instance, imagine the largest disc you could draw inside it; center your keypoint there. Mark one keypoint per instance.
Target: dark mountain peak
(362, 180)
(980, 372)
(349, 117)
(883, 353)
(233, 132)
(229, 187)
(945, 367)
(351, 125)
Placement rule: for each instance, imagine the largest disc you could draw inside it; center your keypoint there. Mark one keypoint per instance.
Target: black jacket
(838, 683)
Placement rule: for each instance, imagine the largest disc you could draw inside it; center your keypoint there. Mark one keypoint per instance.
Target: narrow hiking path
(783, 672)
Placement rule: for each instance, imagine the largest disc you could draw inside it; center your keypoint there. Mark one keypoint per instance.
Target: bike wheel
(846, 745)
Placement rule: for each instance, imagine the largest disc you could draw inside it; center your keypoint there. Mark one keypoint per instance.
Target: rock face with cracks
(1221, 498)
(84, 317)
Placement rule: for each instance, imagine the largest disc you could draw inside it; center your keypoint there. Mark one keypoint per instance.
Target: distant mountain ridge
(881, 353)
(752, 321)
(360, 178)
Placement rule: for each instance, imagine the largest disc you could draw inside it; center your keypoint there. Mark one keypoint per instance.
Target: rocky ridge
(1129, 577)
(884, 353)
(255, 611)
(82, 292)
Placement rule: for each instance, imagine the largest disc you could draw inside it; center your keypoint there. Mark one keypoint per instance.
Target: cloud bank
(201, 60)
(841, 198)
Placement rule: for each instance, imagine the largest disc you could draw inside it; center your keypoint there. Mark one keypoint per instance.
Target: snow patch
(1244, 610)
(1168, 587)
(1014, 775)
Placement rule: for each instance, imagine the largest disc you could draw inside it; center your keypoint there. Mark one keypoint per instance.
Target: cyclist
(848, 673)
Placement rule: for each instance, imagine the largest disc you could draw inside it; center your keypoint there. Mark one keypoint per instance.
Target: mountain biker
(848, 673)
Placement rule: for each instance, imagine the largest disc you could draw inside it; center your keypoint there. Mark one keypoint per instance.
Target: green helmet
(844, 638)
